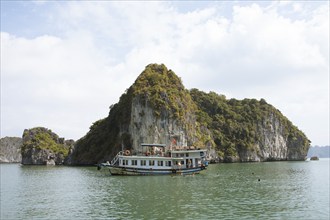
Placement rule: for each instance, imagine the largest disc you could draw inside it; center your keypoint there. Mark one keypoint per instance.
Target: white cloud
(48, 81)
(276, 51)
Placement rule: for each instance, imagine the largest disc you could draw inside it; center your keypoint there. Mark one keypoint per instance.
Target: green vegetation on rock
(162, 89)
(235, 124)
(43, 139)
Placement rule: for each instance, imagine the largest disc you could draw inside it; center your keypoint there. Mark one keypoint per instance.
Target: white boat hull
(140, 172)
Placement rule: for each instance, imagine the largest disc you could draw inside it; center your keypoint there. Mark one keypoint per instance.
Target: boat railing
(115, 159)
(184, 148)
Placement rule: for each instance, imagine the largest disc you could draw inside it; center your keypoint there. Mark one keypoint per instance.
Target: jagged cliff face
(145, 127)
(158, 109)
(10, 150)
(274, 143)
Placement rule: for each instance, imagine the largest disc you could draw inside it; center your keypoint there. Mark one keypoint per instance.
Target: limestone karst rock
(41, 146)
(158, 109)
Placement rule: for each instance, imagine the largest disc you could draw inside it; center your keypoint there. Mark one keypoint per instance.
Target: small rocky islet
(157, 108)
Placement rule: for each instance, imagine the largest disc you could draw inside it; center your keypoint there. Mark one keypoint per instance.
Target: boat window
(160, 163)
(179, 163)
(187, 154)
(168, 163)
(143, 162)
(151, 163)
(134, 162)
(125, 162)
(181, 155)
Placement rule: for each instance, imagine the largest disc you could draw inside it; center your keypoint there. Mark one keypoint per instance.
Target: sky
(63, 63)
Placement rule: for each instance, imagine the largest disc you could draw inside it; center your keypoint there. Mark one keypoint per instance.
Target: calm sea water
(286, 190)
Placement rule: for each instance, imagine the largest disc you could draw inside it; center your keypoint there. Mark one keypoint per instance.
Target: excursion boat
(155, 159)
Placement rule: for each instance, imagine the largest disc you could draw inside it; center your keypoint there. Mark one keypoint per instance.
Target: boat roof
(153, 145)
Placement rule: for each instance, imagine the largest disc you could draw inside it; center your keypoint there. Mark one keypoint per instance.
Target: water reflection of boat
(157, 159)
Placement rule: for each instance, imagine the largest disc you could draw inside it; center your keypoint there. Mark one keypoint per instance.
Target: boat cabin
(155, 156)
